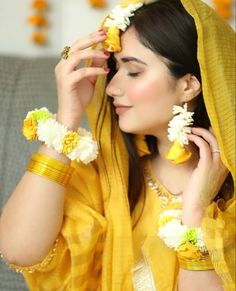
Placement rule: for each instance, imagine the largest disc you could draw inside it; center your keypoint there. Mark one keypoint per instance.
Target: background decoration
(98, 3)
(224, 7)
(39, 21)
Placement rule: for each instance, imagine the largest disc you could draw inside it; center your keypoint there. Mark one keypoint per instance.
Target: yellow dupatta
(216, 59)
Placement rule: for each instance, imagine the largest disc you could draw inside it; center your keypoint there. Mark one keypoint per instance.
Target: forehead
(132, 46)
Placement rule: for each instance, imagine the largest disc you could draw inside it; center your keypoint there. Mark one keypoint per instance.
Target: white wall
(15, 32)
(79, 19)
(70, 19)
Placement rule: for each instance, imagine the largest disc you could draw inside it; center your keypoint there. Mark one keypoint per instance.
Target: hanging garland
(39, 21)
(223, 7)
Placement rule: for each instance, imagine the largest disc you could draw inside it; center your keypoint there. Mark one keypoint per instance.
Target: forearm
(32, 217)
(196, 280)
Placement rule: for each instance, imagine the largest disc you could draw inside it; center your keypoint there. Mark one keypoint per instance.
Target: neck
(164, 146)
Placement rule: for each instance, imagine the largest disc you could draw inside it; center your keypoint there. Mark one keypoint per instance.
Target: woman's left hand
(207, 178)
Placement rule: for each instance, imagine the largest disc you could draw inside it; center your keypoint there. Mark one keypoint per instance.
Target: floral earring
(178, 128)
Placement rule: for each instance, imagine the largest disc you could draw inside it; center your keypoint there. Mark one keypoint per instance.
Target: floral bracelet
(41, 124)
(187, 241)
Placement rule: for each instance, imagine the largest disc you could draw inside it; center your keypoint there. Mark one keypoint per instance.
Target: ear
(191, 87)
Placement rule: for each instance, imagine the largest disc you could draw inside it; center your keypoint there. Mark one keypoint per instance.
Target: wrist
(192, 216)
(70, 123)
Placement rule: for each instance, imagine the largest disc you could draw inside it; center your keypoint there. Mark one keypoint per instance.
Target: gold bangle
(50, 168)
(203, 264)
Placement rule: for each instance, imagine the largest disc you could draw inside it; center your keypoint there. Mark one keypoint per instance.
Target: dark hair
(169, 31)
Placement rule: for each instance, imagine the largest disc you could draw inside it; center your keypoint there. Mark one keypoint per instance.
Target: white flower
(51, 133)
(83, 132)
(86, 150)
(172, 233)
(200, 242)
(119, 16)
(179, 124)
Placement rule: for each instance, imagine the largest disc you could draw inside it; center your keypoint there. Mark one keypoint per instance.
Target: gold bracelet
(203, 264)
(50, 168)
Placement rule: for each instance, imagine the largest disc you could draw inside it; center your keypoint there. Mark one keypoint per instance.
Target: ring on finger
(215, 151)
(65, 53)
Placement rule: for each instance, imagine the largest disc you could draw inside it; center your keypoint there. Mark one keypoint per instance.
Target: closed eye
(134, 74)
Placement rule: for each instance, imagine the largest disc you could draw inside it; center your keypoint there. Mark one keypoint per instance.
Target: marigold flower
(29, 129)
(98, 3)
(224, 8)
(189, 251)
(39, 38)
(40, 5)
(112, 42)
(37, 20)
(69, 142)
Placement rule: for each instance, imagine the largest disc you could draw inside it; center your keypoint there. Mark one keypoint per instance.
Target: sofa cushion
(25, 84)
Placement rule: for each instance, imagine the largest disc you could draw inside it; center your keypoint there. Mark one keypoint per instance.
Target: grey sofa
(25, 84)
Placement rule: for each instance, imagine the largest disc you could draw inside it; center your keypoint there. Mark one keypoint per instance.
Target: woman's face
(144, 84)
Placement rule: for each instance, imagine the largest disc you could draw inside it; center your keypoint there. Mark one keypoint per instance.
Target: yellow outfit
(97, 248)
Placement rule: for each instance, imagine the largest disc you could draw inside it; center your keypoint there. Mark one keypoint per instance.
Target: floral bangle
(41, 124)
(187, 241)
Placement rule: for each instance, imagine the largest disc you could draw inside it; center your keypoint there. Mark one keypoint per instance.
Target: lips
(120, 109)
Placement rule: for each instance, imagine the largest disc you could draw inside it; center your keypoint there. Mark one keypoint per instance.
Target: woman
(104, 224)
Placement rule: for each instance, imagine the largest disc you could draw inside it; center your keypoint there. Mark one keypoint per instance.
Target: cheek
(145, 91)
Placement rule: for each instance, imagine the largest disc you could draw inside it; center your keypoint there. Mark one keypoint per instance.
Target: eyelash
(133, 75)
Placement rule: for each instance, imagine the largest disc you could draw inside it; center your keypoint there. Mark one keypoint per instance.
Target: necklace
(166, 197)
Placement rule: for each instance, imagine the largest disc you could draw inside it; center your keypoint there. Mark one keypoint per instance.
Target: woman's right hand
(75, 87)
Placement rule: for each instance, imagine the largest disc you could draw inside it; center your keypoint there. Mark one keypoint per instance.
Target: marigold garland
(224, 8)
(98, 3)
(39, 21)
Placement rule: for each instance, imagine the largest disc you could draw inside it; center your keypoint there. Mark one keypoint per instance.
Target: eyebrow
(130, 59)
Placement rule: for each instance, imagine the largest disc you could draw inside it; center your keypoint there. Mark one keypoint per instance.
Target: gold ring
(65, 53)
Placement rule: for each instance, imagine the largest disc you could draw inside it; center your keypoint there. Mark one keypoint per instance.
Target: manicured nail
(102, 31)
(106, 53)
(107, 70)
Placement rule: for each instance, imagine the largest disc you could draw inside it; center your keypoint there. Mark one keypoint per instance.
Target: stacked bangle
(50, 168)
(40, 124)
(186, 241)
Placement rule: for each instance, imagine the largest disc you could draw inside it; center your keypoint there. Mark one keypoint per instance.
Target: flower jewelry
(177, 133)
(118, 20)
(187, 241)
(40, 124)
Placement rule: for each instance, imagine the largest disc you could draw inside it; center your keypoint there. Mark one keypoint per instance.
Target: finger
(89, 40)
(75, 59)
(86, 72)
(98, 63)
(203, 146)
(207, 135)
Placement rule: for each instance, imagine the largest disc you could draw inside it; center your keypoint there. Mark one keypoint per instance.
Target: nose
(113, 90)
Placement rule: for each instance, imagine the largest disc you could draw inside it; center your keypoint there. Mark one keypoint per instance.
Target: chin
(132, 129)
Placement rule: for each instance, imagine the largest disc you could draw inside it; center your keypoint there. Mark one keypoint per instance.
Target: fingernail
(102, 31)
(107, 70)
(106, 53)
